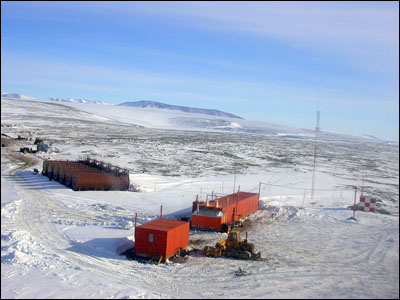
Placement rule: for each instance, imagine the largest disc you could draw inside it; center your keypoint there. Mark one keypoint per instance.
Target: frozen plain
(57, 243)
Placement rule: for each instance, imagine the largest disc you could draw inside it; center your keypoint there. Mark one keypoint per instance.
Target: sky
(265, 61)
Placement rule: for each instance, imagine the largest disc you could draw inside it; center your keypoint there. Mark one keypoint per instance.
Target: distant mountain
(69, 100)
(16, 96)
(154, 104)
(79, 101)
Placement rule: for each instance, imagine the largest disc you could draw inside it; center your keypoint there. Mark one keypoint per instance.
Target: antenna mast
(317, 129)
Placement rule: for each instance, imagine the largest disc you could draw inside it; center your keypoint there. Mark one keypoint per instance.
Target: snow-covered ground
(58, 243)
(164, 118)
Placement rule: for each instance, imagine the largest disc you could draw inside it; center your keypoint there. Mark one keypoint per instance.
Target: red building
(161, 237)
(224, 210)
(87, 174)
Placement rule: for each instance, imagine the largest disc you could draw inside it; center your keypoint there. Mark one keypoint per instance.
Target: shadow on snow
(103, 247)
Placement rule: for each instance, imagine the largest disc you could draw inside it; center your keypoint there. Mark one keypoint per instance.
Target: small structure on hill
(42, 147)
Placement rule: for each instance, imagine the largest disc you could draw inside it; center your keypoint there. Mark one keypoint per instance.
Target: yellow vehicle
(233, 247)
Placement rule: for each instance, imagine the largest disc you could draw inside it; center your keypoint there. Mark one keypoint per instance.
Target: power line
(298, 188)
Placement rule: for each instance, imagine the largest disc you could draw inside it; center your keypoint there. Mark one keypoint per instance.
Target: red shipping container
(50, 167)
(84, 180)
(208, 222)
(231, 208)
(82, 176)
(65, 170)
(161, 237)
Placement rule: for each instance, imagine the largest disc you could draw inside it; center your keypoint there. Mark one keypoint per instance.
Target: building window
(151, 237)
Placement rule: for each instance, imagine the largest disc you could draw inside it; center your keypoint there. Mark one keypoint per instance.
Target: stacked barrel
(84, 176)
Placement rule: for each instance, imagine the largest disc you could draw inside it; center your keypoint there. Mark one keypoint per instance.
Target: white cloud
(364, 33)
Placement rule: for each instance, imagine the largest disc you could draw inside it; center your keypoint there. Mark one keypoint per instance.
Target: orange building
(218, 213)
(162, 237)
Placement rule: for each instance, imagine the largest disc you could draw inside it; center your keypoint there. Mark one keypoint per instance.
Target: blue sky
(264, 61)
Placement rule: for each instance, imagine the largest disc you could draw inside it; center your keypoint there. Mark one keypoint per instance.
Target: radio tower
(317, 129)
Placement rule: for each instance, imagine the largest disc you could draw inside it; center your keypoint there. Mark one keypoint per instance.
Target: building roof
(162, 224)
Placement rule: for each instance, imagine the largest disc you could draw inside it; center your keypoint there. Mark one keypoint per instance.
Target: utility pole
(135, 221)
(354, 206)
(317, 129)
(234, 182)
(304, 198)
(362, 186)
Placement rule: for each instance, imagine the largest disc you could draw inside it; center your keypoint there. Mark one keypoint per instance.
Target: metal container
(228, 209)
(47, 164)
(76, 167)
(67, 174)
(84, 180)
(51, 166)
(71, 173)
(208, 222)
(60, 168)
(163, 237)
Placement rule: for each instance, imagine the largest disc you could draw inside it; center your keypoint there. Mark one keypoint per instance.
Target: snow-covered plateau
(60, 243)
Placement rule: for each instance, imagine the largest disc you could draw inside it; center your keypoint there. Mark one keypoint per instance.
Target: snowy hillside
(58, 243)
(156, 115)
(180, 120)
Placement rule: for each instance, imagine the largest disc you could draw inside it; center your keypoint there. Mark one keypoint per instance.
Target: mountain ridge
(187, 109)
(79, 101)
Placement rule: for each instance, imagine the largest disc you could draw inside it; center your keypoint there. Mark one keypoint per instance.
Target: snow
(84, 101)
(58, 243)
(16, 96)
(162, 118)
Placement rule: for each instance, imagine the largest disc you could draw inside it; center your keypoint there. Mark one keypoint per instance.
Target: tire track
(35, 216)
